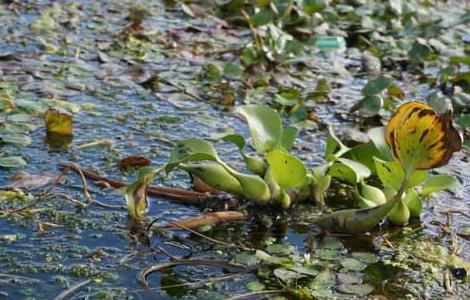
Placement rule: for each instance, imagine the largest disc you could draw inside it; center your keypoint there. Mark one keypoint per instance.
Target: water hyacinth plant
(415, 140)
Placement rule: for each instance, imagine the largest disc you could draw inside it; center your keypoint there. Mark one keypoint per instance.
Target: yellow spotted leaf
(420, 138)
(57, 122)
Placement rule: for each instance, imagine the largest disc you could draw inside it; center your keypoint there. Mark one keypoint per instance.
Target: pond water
(77, 59)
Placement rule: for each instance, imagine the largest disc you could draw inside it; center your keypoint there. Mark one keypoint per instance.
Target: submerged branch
(209, 219)
(161, 266)
(66, 293)
(175, 194)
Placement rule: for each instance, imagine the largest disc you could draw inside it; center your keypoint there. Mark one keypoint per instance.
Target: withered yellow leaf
(58, 123)
(420, 138)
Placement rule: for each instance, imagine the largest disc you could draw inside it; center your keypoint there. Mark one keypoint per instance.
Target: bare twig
(175, 194)
(465, 214)
(210, 219)
(66, 293)
(209, 262)
(78, 203)
(89, 200)
(210, 280)
(201, 235)
(259, 293)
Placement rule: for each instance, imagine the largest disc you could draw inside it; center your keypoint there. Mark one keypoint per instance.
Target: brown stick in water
(175, 194)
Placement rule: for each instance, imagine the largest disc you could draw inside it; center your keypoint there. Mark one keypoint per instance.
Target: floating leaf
(19, 140)
(287, 276)
(31, 181)
(12, 161)
(58, 123)
(280, 249)
(265, 126)
(353, 264)
(288, 171)
(420, 138)
(356, 289)
(255, 286)
(375, 86)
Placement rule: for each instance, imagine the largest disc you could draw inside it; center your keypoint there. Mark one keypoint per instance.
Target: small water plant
(415, 140)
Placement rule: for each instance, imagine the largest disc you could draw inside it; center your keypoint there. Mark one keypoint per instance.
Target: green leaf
(289, 134)
(265, 126)
(377, 135)
(349, 170)
(288, 97)
(232, 70)
(334, 147)
(376, 86)
(356, 289)
(353, 264)
(288, 171)
(255, 286)
(364, 153)
(438, 183)
(280, 249)
(236, 139)
(12, 161)
(212, 72)
(193, 149)
(287, 276)
(390, 173)
(369, 106)
(261, 18)
(417, 178)
(19, 140)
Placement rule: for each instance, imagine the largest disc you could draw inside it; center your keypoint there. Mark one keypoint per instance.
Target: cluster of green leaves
(378, 94)
(368, 162)
(330, 269)
(276, 175)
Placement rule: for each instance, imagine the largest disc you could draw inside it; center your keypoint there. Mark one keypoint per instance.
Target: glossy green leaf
(390, 173)
(236, 139)
(193, 149)
(265, 126)
(438, 183)
(334, 147)
(289, 134)
(288, 171)
(377, 135)
(364, 153)
(349, 170)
